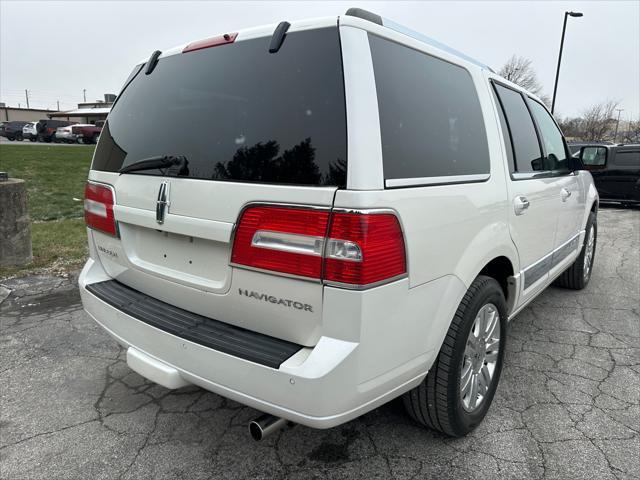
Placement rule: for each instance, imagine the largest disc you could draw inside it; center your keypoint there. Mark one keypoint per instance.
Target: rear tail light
(98, 208)
(354, 249)
(364, 248)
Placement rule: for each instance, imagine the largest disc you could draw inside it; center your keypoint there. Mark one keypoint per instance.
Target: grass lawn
(55, 175)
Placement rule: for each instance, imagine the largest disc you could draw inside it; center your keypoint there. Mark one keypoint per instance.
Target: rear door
(623, 174)
(572, 201)
(254, 127)
(534, 192)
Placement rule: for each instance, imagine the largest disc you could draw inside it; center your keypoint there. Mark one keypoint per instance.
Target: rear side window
(238, 113)
(431, 124)
(556, 158)
(524, 139)
(627, 159)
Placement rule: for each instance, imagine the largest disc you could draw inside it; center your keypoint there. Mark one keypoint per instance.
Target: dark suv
(615, 170)
(12, 130)
(47, 129)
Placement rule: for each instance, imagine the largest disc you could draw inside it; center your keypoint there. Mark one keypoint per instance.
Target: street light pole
(615, 135)
(564, 27)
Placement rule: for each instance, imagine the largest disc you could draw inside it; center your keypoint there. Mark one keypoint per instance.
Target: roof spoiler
(377, 19)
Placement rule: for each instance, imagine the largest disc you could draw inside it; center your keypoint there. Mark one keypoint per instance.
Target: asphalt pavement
(567, 407)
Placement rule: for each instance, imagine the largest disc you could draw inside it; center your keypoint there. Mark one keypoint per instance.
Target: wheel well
(500, 269)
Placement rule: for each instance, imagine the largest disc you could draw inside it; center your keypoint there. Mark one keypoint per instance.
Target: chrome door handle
(565, 194)
(520, 204)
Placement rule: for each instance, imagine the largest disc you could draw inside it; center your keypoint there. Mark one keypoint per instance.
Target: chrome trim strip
(443, 180)
(279, 274)
(288, 242)
(538, 269)
(564, 250)
(349, 286)
(530, 175)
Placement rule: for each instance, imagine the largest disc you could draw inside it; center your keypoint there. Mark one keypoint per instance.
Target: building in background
(15, 114)
(87, 112)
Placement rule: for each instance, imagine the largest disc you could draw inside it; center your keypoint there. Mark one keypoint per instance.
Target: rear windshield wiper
(177, 164)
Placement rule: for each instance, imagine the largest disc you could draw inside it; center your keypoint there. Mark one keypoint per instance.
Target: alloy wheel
(480, 357)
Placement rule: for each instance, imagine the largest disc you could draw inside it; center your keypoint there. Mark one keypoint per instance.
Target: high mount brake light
(210, 42)
(98, 208)
(353, 249)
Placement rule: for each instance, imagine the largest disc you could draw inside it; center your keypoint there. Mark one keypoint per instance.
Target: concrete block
(15, 226)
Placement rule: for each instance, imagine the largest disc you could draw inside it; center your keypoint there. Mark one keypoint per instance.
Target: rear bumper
(320, 386)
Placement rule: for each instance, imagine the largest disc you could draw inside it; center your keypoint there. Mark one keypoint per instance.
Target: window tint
(431, 124)
(551, 137)
(238, 113)
(523, 134)
(627, 159)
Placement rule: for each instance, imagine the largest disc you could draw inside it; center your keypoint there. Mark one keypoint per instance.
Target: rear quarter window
(431, 123)
(627, 159)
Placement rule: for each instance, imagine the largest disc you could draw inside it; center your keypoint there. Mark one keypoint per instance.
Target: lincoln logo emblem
(162, 205)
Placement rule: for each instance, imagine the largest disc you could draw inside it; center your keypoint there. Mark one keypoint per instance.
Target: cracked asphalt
(568, 404)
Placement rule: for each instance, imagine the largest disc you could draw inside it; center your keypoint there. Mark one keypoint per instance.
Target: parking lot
(568, 404)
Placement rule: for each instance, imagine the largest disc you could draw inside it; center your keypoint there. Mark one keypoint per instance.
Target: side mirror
(575, 162)
(593, 158)
(536, 164)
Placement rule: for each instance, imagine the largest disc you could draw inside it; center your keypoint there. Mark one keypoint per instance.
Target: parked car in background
(86, 133)
(12, 130)
(253, 257)
(615, 170)
(78, 133)
(30, 131)
(47, 129)
(65, 134)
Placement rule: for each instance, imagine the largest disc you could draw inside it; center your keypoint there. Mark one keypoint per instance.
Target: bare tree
(632, 133)
(597, 121)
(571, 127)
(520, 71)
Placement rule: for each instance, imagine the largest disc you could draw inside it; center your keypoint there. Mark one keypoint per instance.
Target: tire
(439, 402)
(577, 276)
(19, 137)
(11, 139)
(32, 139)
(95, 137)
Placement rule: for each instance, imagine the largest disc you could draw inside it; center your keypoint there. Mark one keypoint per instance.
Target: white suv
(362, 215)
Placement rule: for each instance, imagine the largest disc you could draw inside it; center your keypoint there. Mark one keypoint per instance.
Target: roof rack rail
(377, 19)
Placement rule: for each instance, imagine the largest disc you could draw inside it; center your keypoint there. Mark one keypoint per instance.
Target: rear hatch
(253, 126)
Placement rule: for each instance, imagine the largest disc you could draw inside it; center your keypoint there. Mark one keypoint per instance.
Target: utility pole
(26, 94)
(84, 94)
(58, 102)
(615, 135)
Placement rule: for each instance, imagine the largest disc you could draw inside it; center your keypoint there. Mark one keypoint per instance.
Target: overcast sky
(57, 49)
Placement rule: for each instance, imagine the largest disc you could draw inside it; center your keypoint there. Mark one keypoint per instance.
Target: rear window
(431, 124)
(238, 113)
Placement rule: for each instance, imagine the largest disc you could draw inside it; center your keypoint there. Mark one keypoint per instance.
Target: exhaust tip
(256, 431)
(265, 425)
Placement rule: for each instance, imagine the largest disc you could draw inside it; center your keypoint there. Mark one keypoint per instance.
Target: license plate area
(188, 260)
